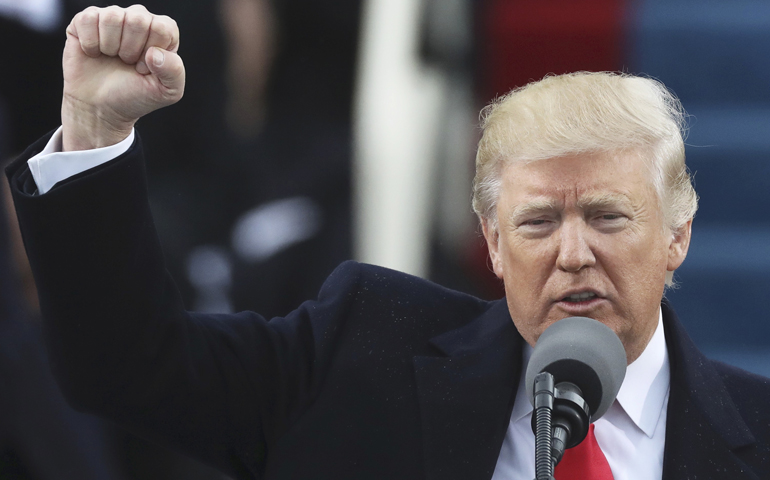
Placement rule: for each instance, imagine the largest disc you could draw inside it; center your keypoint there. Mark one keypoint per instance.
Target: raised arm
(119, 65)
(220, 387)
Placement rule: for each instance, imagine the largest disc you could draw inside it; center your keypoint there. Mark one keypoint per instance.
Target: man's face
(584, 236)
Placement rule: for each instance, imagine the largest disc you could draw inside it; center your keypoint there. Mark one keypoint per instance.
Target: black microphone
(572, 379)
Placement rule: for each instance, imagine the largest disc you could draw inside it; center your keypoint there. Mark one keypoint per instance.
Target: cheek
(527, 266)
(643, 247)
(653, 257)
(522, 256)
(637, 270)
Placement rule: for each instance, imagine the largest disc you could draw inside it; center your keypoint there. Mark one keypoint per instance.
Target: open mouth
(579, 297)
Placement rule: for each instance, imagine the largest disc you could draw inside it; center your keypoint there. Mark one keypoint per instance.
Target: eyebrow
(534, 207)
(602, 200)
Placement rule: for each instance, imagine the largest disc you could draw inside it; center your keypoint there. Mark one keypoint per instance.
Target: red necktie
(586, 461)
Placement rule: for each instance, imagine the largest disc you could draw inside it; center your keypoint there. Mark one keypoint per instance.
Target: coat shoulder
(748, 390)
(750, 393)
(386, 290)
(388, 307)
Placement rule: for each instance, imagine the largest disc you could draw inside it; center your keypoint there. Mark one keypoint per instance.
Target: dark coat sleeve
(221, 387)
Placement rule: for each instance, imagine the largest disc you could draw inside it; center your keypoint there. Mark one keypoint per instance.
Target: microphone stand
(560, 421)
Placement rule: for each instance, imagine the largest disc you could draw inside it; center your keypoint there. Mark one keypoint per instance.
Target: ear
(680, 243)
(492, 237)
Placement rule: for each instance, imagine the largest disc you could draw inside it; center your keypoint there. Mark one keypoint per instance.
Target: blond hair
(587, 112)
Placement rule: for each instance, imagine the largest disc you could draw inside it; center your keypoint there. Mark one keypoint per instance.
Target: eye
(538, 222)
(535, 222)
(610, 221)
(536, 227)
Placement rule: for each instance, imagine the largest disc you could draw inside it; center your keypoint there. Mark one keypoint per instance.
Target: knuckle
(168, 24)
(137, 23)
(165, 19)
(89, 16)
(112, 17)
(138, 7)
(163, 36)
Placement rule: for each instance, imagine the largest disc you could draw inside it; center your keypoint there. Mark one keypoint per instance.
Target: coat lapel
(704, 430)
(466, 395)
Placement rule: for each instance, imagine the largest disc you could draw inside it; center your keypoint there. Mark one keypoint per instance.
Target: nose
(575, 252)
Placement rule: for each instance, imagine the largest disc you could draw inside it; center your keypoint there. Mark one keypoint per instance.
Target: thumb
(169, 69)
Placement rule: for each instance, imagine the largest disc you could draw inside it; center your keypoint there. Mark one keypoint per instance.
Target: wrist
(86, 127)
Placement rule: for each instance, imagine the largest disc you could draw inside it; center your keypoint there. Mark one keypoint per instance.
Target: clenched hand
(119, 65)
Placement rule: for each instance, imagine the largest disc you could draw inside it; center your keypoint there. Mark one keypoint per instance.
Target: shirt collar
(642, 393)
(645, 387)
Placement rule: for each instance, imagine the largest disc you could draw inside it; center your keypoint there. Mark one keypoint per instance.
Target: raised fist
(119, 65)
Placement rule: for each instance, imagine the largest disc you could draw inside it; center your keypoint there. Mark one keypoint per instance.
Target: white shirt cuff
(51, 166)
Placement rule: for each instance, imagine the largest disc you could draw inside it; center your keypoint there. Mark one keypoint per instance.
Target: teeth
(579, 297)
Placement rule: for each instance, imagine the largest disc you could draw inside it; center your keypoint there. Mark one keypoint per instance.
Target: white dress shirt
(631, 434)
(51, 165)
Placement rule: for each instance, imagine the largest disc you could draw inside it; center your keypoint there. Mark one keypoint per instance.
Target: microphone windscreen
(585, 352)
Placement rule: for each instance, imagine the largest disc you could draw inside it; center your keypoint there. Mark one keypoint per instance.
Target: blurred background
(313, 131)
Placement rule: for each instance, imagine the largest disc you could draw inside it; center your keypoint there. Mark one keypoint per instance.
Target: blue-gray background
(714, 56)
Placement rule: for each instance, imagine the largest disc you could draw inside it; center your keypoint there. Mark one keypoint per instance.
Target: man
(585, 203)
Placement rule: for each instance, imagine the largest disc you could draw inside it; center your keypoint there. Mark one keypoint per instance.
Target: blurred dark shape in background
(292, 223)
(31, 94)
(250, 179)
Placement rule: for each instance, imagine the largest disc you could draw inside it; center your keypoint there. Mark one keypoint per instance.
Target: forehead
(586, 179)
